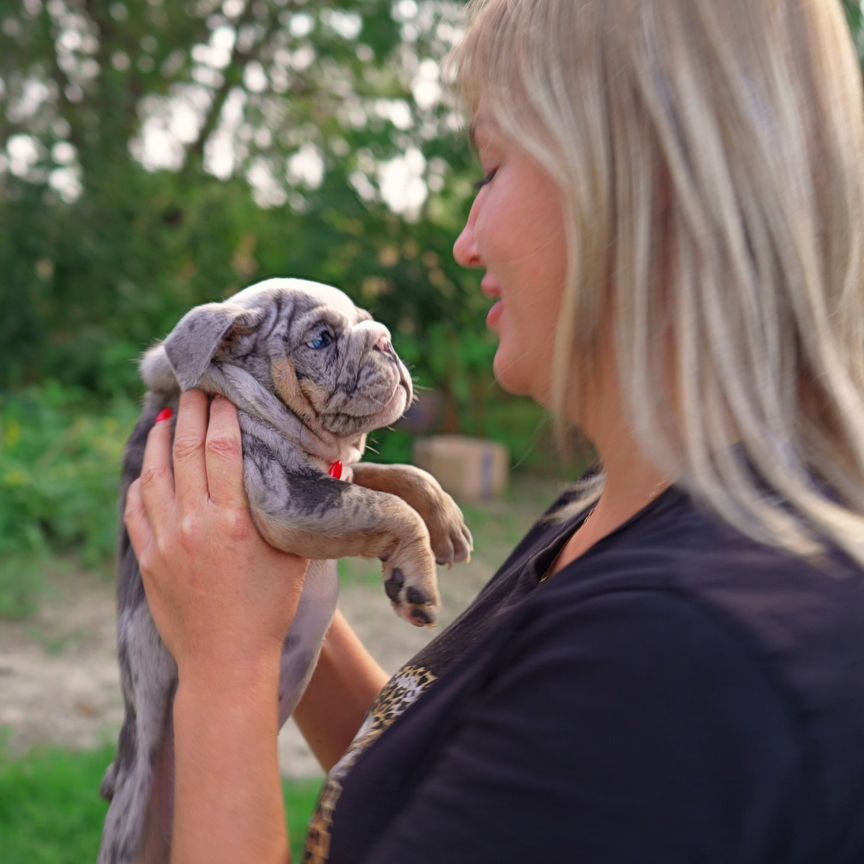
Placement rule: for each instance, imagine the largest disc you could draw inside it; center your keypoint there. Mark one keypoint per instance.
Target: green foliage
(855, 17)
(59, 474)
(22, 578)
(90, 279)
(51, 812)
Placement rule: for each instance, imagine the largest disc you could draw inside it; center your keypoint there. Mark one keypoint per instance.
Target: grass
(51, 812)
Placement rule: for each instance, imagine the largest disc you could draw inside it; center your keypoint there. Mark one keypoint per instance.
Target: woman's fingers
(190, 474)
(157, 478)
(223, 454)
(135, 520)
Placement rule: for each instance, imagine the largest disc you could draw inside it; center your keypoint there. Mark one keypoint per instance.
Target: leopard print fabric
(403, 689)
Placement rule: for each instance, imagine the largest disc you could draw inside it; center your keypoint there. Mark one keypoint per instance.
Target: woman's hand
(222, 598)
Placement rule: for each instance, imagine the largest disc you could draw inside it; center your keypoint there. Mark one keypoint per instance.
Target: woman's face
(515, 232)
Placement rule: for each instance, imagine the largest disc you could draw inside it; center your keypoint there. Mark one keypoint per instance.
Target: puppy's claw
(419, 616)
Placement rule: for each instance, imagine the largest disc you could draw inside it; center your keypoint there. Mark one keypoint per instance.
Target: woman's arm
(346, 681)
(228, 804)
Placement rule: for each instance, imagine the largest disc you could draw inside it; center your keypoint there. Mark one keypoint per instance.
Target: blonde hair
(709, 157)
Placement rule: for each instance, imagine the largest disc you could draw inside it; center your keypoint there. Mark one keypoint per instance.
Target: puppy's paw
(451, 540)
(414, 598)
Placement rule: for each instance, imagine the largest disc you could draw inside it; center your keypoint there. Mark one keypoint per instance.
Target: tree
(143, 137)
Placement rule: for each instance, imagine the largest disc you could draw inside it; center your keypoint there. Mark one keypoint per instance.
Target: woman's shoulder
(677, 548)
(796, 621)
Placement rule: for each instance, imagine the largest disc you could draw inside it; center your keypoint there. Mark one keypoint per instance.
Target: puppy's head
(307, 343)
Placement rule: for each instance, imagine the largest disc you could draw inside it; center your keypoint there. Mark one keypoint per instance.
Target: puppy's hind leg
(151, 678)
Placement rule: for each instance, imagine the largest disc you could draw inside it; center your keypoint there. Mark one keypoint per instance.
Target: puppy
(310, 375)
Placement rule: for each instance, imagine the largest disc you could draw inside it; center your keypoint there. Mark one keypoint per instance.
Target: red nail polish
(167, 414)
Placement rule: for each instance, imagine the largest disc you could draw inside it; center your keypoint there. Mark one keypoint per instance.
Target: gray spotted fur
(301, 408)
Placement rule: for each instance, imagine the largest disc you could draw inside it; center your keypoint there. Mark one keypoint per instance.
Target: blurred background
(157, 154)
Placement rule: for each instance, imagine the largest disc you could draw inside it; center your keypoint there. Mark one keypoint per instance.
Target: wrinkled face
(327, 360)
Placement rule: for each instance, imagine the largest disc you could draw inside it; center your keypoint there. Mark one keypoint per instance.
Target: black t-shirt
(677, 694)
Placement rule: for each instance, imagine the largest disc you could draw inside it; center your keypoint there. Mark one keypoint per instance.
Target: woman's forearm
(346, 682)
(228, 794)
(228, 805)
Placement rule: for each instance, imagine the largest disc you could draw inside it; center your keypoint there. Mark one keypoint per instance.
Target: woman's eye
(322, 340)
(486, 180)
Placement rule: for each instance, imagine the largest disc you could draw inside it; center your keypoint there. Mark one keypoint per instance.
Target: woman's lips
(493, 292)
(490, 289)
(494, 314)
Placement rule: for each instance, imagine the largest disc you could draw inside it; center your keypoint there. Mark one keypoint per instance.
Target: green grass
(51, 812)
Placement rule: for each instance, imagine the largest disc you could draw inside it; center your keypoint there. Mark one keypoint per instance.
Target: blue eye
(322, 340)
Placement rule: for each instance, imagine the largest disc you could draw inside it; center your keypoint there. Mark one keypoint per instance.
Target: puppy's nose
(383, 345)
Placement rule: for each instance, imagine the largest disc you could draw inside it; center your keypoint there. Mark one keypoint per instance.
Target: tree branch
(67, 109)
(197, 36)
(239, 60)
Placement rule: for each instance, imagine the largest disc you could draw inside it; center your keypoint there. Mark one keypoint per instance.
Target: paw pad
(393, 586)
(411, 603)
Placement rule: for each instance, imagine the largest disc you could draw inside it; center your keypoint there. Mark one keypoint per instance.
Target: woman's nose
(465, 248)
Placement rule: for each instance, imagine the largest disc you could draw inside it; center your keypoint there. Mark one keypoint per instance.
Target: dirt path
(59, 683)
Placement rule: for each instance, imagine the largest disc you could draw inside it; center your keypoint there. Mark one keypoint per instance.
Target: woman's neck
(632, 484)
(632, 480)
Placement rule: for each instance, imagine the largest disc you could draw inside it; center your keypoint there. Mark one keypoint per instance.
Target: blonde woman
(669, 667)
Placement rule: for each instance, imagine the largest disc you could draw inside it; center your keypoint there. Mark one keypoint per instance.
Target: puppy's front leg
(318, 517)
(450, 537)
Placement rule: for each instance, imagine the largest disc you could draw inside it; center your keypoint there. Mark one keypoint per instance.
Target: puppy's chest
(280, 476)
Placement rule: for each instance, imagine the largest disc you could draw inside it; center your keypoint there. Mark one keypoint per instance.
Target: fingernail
(167, 414)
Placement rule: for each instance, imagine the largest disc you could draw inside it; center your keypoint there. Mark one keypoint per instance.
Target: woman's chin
(517, 380)
(508, 375)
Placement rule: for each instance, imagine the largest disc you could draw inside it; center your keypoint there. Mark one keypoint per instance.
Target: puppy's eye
(322, 340)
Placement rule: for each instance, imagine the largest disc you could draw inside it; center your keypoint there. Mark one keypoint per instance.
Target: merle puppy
(311, 374)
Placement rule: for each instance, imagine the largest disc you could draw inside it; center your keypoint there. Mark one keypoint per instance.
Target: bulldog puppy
(310, 374)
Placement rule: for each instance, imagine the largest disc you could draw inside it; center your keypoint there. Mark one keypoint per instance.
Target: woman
(668, 668)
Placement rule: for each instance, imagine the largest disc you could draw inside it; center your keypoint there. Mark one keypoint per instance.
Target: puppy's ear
(192, 344)
(156, 372)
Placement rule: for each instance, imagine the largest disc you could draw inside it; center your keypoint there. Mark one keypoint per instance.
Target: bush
(59, 472)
